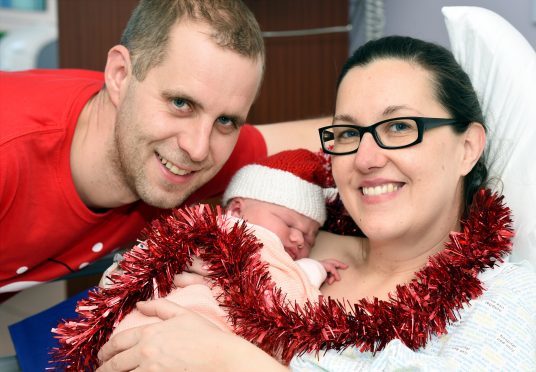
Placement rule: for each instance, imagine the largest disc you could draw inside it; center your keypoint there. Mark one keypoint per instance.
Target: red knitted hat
(293, 179)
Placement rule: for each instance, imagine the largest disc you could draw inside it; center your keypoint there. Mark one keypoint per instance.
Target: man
(83, 167)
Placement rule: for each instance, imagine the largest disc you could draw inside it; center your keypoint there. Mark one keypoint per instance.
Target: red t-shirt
(45, 229)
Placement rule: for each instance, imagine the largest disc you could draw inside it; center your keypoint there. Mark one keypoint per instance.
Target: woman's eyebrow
(390, 110)
(345, 118)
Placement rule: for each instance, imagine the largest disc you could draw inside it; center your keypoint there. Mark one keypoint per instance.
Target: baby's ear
(235, 206)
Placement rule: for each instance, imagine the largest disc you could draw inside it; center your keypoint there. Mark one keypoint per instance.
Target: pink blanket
(285, 273)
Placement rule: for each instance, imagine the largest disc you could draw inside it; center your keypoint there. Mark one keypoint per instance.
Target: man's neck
(95, 176)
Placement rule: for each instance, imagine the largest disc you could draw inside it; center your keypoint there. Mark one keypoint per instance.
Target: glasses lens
(340, 139)
(398, 132)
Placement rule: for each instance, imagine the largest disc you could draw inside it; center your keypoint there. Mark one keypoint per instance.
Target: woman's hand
(164, 346)
(183, 341)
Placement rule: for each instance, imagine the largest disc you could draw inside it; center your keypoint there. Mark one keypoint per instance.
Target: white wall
(423, 18)
(13, 19)
(31, 38)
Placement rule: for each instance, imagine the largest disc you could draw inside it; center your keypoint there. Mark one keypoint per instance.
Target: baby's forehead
(284, 212)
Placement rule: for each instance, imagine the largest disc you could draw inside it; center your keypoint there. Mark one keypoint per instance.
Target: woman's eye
(399, 126)
(350, 133)
(347, 134)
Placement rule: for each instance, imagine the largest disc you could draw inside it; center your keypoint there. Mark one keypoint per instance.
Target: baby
(283, 203)
(284, 194)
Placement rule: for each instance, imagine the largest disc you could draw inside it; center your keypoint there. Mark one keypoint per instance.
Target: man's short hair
(147, 32)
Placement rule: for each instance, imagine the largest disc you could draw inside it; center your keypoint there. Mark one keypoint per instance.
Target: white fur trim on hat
(278, 187)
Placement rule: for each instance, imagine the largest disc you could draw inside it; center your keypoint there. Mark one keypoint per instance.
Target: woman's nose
(369, 154)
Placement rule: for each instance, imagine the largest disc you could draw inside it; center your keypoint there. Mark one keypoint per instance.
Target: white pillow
(502, 67)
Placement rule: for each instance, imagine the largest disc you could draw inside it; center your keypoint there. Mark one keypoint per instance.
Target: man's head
(182, 85)
(232, 26)
(284, 193)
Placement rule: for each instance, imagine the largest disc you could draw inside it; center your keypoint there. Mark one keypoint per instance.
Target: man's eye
(180, 103)
(226, 122)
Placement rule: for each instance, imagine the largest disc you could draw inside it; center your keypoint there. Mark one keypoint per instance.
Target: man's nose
(194, 139)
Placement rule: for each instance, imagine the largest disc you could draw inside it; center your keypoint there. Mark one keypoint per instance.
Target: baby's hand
(332, 267)
(105, 280)
(196, 273)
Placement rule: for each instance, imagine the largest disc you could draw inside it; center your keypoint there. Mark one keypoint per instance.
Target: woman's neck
(376, 268)
(398, 257)
(402, 255)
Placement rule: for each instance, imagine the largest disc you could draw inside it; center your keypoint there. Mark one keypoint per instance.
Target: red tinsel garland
(413, 314)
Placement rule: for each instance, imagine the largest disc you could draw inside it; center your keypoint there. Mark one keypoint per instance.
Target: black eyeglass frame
(422, 125)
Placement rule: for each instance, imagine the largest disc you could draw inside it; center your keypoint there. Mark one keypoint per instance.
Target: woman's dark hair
(453, 88)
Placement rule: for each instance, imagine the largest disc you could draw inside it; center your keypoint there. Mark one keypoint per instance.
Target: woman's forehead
(388, 71)
(384, 84)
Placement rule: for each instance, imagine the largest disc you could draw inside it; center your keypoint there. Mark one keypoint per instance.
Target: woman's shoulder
(341, 247)
(507, 273)
(513, 281)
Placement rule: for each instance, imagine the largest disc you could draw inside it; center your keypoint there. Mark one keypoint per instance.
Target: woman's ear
(475, 141)
(235, 206)
(117, 72)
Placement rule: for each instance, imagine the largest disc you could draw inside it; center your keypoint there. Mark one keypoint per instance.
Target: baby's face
(296, 231)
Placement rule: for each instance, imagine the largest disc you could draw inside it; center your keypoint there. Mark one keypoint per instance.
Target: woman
(407, 141)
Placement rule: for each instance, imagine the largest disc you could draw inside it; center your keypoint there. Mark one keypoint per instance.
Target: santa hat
(293, 179)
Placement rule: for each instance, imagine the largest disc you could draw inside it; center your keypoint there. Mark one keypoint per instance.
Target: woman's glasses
(396, 133)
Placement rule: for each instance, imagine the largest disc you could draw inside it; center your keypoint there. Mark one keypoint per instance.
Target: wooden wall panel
(301, 70)
(88, 29)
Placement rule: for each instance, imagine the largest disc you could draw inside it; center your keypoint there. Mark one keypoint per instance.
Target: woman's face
(402, 193)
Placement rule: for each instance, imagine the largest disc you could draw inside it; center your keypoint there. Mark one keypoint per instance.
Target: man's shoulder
(66, 73)
(41, 101)
(22, 87)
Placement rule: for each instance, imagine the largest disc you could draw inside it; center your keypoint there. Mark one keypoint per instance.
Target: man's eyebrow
(238, 120)
(171, 94)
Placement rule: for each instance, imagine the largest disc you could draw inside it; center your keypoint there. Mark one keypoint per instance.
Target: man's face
(177, 127)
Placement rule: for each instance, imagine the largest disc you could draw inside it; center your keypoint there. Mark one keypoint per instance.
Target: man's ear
(235, 206)
(475, 141)
(117, 72)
